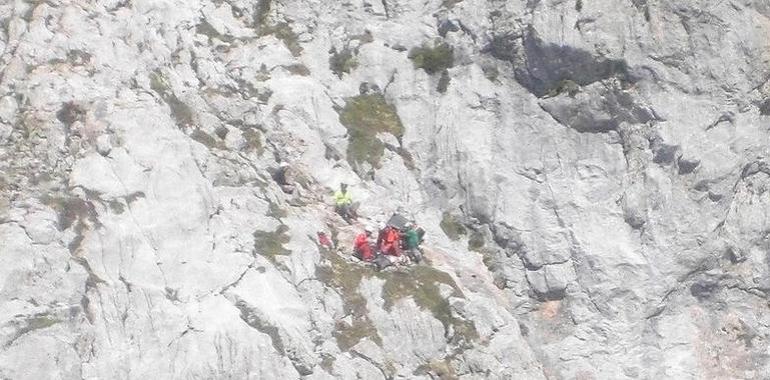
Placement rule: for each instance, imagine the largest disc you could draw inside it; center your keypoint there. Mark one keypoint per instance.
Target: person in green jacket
(343, 203)
(412, 243)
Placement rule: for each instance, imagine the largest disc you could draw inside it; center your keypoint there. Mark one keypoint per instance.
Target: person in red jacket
(391, 242)
(361, 247)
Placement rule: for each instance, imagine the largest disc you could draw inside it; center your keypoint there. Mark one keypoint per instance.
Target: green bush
(270, 244)
(283, 32)
(342, 62)
(433, 59)
(476, 241)
(364, 116)
(451, 227)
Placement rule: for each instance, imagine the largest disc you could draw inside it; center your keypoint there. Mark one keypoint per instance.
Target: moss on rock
(423, 284)
(180, 112)
(365, 116)
(283, 32)
(451, 226)
(270, 244)
(346, 278)
(432, 59)
(342, 62)
(476, 241)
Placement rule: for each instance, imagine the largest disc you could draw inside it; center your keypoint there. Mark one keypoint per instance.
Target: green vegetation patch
(34, 322)
(442, 368)
(346, 278)
(491, 72)
(422, 283)
(434, 59)
(181, 112)
(261, 11)
(564, 86)
(275, 211)
(451, 226)
(209, 31)
(270, 244)
(476, 241)
(206, 139)
(364, 116)
(342, 62)
(283, 32)
(298, 69)
(253, 141)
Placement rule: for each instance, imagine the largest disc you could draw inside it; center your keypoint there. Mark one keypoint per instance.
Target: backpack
(381, 262)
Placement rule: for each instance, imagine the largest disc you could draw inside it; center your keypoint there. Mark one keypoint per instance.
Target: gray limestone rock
(592, 178)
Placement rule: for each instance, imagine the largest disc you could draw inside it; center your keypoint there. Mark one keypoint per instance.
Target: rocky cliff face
(593, 177)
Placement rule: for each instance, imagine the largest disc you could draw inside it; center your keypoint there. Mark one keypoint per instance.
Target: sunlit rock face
(593, 178)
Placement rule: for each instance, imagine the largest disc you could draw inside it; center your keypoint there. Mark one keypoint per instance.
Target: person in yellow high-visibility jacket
(343, 203)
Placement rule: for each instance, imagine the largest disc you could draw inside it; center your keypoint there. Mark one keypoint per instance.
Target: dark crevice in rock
(249, 316)
(727, 117)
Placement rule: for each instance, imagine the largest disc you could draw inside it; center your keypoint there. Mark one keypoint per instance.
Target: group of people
(395, 241)
(392, 244)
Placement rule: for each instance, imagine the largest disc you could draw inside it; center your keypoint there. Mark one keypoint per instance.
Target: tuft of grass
(204, 138)
(564, 86)
(261, 12)
(117, 207)
(343, 62)
(451, 226)
(283, 32)
(253, 141)
(422, 283)
(449, 4)
(440, 368)
(34, 322)
(275, 211)
(364, 116)
(327, 362)
(298, 69)
(346, 277)
(270, 244)
(207, 30)
(432, 59)
(180, 112)
(476, 241)
(491, 72)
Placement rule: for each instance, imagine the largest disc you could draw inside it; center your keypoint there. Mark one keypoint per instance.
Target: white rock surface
(605, 165)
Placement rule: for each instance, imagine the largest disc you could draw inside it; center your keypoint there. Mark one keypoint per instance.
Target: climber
(362, 248)
(391, 242)
(343, 203)
(412, 243)
(323, 241)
